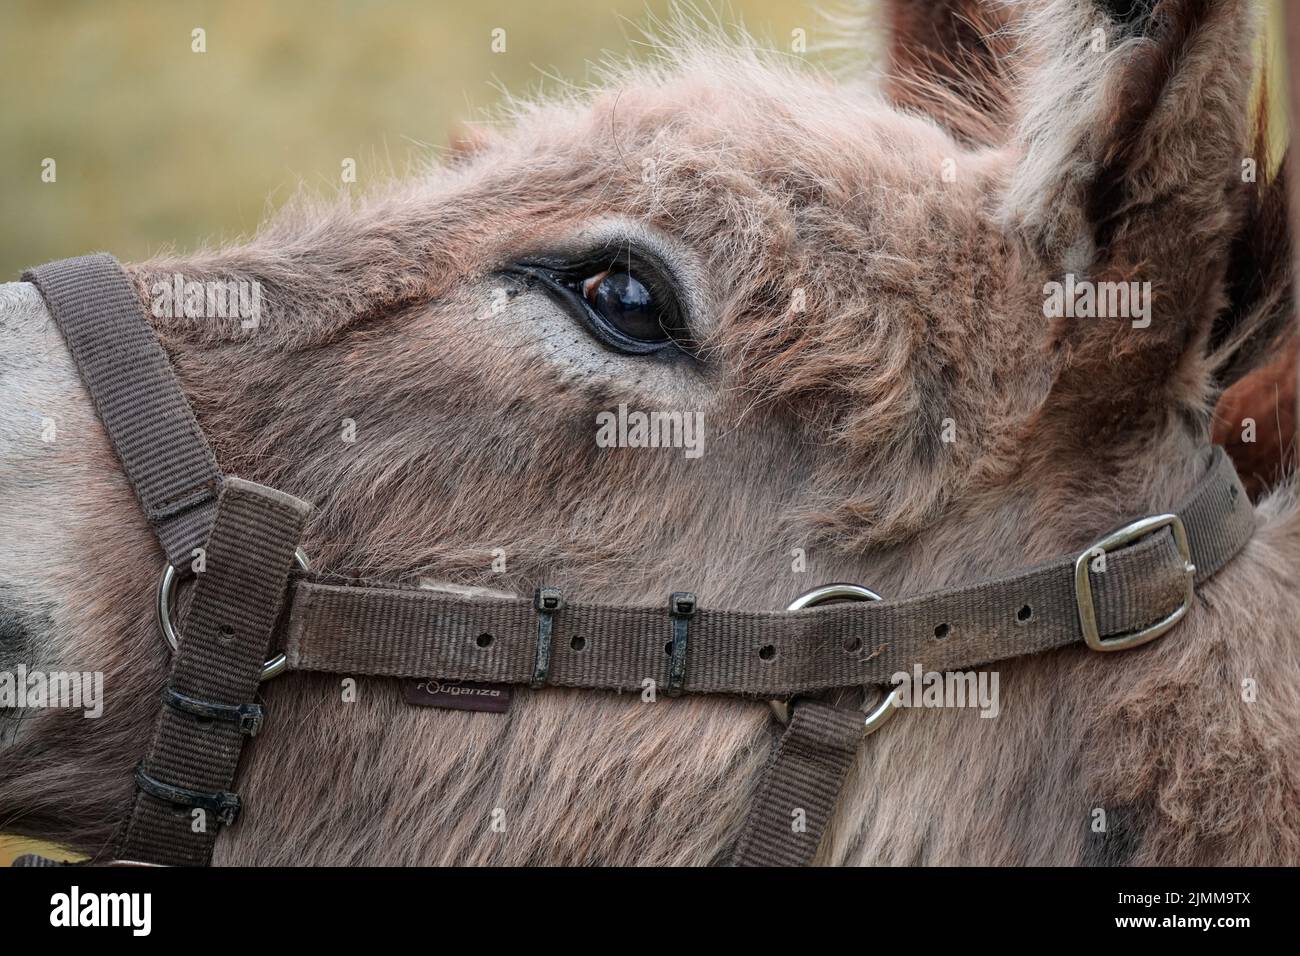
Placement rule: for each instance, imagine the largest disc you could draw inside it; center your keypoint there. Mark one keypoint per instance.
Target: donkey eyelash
(634, 285)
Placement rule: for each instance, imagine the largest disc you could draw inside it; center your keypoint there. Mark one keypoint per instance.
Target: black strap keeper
(247, 716)
(546, 601)
(224, 806)
(681, 607)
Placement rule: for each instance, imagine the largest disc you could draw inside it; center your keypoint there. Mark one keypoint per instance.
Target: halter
(257, 592)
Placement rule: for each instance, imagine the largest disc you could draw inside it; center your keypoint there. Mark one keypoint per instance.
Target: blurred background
(156, 145)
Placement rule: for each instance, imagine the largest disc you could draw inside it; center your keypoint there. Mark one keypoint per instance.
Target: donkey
(845, 278)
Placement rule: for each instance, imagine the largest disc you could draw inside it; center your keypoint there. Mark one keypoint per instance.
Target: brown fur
(953, 61)
(923, 303)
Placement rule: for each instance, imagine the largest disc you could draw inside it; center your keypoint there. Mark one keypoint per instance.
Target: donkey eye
(624, 298)
(623, 301)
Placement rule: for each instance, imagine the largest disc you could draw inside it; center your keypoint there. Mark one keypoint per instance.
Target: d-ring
(167, 595)
(830, 592)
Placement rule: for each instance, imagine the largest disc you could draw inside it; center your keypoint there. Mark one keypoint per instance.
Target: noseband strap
(134, 390)
(367, 627)
(1128, 588)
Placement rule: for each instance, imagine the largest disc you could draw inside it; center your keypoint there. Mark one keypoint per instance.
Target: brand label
(458, 695)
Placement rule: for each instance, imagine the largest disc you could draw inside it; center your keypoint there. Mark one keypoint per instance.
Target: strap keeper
(223, 805)
(681, 608)
(248, 717)
(546, 601)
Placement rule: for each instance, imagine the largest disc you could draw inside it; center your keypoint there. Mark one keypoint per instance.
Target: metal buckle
(167, 594)
(830, 592)
(1083, 586)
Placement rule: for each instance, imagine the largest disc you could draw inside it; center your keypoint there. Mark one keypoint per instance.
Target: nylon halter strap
(1128, 588)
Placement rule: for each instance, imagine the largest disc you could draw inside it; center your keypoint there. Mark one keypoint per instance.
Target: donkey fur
(763, 184)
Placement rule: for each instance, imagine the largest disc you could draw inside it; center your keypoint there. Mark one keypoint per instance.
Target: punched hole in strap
(681, 608)
(546, 601)
(247, 717)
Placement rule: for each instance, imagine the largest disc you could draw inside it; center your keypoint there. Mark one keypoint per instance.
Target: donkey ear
(1131, 150)
(951, 59)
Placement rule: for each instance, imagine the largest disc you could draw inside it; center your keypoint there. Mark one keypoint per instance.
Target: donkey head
(852, 311)
(1002, 284)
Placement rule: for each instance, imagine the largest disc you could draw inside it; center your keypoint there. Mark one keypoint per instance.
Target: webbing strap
(797, 793)
(361, 627)
(237, 601)
(148, 420)
(364, 627)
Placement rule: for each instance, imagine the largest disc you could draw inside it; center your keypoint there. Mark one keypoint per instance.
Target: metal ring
(131, 863)
(830, 592)
(167, 595)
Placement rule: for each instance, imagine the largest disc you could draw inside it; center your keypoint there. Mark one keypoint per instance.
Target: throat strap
(800, 787)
